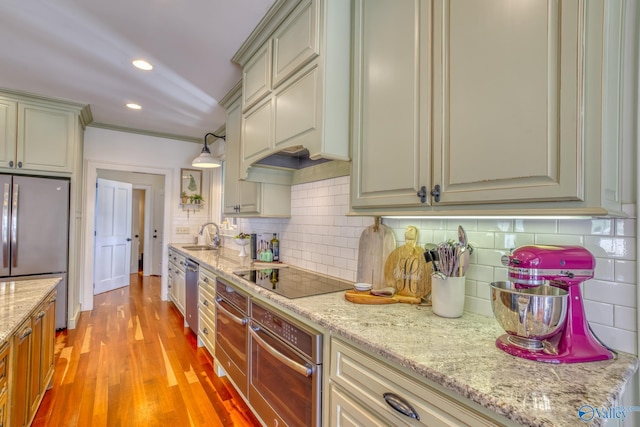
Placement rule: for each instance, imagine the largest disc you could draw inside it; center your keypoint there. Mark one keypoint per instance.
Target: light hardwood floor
(131, 362)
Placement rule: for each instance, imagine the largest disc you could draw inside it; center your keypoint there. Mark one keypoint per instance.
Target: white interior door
(113, 235)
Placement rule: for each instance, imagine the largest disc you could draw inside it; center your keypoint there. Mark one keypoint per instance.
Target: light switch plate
(182, 230)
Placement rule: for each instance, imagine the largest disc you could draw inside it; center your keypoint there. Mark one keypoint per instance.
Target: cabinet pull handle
(53, 299)
(26, 333)
(205, 331)
(40, 315)
(422, 194)
(10, 163)
(436, 193)
(205, 302)
(20, 164)
(205, 280)
(401, 405)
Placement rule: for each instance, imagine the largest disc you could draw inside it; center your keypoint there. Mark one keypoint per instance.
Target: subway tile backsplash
(320, 237)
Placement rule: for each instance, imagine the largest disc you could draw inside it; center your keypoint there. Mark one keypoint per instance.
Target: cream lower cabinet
(366, 391)
(38, 136)
(177, 280)
(470, 106)
(206, 309)
(243, 198)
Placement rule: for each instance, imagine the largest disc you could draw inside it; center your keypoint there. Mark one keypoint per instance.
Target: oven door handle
(238, 320)
(291, 364)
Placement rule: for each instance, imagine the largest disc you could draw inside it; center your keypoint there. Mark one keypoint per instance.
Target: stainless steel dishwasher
(191, 294)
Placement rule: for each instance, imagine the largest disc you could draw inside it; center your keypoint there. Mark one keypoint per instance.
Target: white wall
(122, 151)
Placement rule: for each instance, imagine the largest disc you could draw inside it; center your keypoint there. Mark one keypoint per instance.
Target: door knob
(128, 239)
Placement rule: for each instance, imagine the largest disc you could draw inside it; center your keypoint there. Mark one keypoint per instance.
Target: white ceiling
(81, 50)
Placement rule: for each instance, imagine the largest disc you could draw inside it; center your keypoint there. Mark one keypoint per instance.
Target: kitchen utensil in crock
(406, 268)
(377, 241)
(542, 310)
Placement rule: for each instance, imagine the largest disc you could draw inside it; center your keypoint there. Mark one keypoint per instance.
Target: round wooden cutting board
(376, 243)
(407, 270)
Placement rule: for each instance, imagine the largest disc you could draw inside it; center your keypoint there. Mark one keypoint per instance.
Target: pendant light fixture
(205, 159)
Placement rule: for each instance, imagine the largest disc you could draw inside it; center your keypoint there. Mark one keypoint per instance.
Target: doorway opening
(155, 182)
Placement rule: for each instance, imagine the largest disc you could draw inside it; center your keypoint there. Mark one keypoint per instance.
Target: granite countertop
(458, 354)
(18, 299)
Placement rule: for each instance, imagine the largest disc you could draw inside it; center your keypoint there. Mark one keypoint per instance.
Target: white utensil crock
(447, 296)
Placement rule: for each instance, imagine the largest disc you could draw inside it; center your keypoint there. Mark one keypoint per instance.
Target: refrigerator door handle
(14, 226)
(5, 227)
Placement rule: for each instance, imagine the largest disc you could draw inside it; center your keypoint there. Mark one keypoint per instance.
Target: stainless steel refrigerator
(35, 232)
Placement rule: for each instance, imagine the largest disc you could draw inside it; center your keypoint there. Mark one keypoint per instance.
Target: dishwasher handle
(191, 266)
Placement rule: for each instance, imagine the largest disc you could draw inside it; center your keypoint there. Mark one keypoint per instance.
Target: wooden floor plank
(131, 362)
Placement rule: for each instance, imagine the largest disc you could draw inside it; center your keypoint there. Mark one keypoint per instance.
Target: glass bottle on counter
(275, 247)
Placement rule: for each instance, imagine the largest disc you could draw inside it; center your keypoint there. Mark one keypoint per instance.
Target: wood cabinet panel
(35, 387)
(48, 341)
(4, 383)
(21, 374)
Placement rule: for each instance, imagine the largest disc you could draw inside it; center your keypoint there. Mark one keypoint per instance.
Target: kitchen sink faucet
(216, 239)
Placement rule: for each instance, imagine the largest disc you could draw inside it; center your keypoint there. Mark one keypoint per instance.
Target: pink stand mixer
(541, 307)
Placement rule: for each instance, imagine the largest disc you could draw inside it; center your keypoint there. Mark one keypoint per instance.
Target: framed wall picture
(190, 182)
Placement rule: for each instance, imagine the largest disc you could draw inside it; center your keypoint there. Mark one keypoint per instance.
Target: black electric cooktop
(292, 282)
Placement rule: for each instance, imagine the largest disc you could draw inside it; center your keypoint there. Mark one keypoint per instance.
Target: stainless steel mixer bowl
(535, 313)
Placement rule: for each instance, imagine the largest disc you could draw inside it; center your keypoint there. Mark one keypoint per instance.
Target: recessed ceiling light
(142, 64)
(134, 106)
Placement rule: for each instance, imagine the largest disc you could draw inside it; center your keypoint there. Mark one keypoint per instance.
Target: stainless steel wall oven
(285, 378)
(232, 308)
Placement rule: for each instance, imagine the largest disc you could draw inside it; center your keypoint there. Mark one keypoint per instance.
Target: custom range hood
(293, 165)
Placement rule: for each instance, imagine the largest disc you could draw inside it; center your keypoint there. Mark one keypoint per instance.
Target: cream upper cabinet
(256, 77)
(244, 198)
(239, 196)
(391, 144)
(8, 128)
(466, 107)
(296, 41)
(308, 101)
(38, 136)
(508, 104)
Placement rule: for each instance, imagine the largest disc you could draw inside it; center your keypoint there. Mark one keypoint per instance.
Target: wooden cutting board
(376, 243)
(407, 270)
(360, 297)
